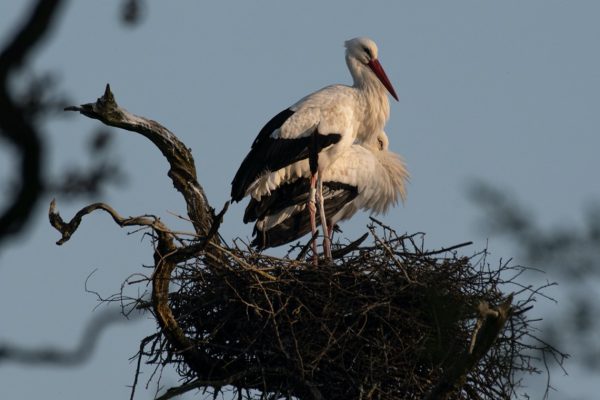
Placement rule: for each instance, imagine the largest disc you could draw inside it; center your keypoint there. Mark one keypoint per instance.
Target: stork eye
(368, 51)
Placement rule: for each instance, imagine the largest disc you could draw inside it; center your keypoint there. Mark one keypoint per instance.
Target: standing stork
(364, 177)
(318, 128)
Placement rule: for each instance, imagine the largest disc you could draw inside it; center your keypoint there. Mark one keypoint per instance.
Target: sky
(502, 92)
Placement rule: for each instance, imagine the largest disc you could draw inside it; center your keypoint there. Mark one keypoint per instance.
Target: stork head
(363, 51)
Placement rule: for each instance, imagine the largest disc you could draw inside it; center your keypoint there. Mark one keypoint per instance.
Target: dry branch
(161, 278)
(67, 229)
(181, 161)
(183, 175)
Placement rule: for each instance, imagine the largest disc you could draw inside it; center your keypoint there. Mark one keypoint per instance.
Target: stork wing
(286, 195)
(271, 152)
(282, 216)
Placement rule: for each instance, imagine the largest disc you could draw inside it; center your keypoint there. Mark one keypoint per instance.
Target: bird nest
(386, 321)
(389, 321)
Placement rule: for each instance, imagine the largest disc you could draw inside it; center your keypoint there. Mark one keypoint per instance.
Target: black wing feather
(336, 195)
(288, 194)
(268, 154)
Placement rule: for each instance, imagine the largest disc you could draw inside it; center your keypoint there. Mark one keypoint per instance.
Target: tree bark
(182, 167)
(166, 256)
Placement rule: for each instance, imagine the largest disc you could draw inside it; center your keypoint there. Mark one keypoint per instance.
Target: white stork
(364, 177)
(319, 127)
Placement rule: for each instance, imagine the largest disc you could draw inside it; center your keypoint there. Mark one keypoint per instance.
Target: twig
(143, 344)
(446, 249)
(67, 229)
(391, 255)
(339, 253)
(307, 247)
(216, 224)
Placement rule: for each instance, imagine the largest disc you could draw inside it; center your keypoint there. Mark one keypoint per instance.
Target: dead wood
(181, 161)
(183, 175)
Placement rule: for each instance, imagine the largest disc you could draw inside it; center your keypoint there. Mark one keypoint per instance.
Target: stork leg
(312, 208)
(313, 161)
(326, 238)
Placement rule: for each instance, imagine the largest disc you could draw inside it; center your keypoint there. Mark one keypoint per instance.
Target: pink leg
(312, 208)
(326, 237)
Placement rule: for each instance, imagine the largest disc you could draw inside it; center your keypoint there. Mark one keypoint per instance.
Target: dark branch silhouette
(15, 126)
(63, 357)
(570, 252)
(21, 125)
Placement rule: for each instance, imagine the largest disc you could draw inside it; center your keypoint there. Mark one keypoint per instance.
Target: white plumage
(319, 128)
(364, 177)
(336, 116)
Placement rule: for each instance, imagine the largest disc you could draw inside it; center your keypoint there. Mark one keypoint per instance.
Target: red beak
(380, 73)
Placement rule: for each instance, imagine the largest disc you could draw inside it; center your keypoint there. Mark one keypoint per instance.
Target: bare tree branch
(181, 161)
(338, 253)
(14, 124)
(54, 356)
(67, 229)
(164, 265)
(183, 175)
(33, 31)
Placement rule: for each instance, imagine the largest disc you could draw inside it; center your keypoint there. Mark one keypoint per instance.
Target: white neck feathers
(372, 96)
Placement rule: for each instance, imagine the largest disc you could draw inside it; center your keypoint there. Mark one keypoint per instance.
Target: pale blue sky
(506, 92)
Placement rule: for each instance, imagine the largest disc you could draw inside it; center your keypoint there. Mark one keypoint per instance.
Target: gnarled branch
(181, 161)
(164, 265)
(67, 229)
(166, 256)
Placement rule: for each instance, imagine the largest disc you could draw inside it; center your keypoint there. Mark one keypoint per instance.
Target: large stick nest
(389, 321)
(384, 322)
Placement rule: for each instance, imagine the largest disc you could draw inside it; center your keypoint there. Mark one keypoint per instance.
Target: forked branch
(164, 265)
(183, 175)
(68, 228)
(181, 161)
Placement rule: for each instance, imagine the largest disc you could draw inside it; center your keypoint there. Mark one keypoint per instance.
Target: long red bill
(380, 73)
